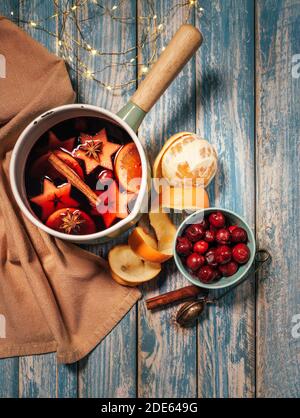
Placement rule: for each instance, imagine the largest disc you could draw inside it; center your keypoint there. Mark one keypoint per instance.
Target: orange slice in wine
(128, 168)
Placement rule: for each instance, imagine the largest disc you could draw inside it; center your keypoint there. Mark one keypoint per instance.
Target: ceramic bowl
(234, 219)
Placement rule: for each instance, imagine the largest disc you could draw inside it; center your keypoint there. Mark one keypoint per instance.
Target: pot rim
(229, 281)
(29, 214)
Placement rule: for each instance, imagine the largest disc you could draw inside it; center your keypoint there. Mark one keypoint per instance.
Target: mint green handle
(132, 114)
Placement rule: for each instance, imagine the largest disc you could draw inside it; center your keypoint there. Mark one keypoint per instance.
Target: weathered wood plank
(39, 375)
(167, 354)
(9, 369)
(278, 195)
(110, 371)
(225, 116)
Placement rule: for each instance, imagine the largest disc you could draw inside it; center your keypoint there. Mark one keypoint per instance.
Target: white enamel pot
(181, 48)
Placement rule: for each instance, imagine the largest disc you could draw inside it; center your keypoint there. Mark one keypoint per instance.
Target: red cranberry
(201, 247)
(194, 232)
(223, 236)
(183, 246)
(232, 228)
(217, 219)
(223, 254)
(204, 223)
(209, 236)
(211, 257)
(206, 274)
(218, 275)
(228, 269)
(241, 253)
(239, 235)
(194, 261)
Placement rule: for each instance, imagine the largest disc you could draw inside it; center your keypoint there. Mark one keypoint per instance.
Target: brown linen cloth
(54, 296)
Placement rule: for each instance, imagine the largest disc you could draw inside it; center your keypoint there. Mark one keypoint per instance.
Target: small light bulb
(114, 7)
(11, 13)
(160, 26)
(74, 7)
(163, 48)
(145, 70)
(33, 24)
(88, 74)
(93, 51)
(132, 60)
(108, 87)
(154, 17)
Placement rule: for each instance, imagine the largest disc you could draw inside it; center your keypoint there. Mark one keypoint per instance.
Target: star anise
(92, 149)
(71, 221)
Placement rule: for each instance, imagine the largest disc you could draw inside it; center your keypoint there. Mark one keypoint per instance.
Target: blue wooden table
(242, 92)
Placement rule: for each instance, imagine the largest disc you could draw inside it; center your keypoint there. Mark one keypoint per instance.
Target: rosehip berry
(201, 247)
(223, 236)
(228, 269)
(183, 246)
(232, 228)
(209, 236)
(206, 274)
(194, 232)
(194, 261)
(223, 254)
(239, 235)
(241, 253)
(210, 257)
(217, 219)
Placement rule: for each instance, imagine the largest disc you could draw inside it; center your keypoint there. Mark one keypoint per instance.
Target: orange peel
(149, 248)
(157, 167)
(180, 198)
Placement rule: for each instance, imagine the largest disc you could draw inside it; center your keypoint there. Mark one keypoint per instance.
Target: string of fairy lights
(85, 59)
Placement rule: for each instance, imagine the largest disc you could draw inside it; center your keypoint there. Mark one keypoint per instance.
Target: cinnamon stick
(73, 178)
(174, 296)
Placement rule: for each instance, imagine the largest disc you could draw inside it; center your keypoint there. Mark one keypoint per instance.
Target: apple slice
(54, 198)
(165, 231)
(96, 151)
(41, 167)
(71, 221)
(126, 266)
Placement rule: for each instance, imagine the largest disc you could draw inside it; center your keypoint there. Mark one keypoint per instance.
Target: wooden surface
(239, 92)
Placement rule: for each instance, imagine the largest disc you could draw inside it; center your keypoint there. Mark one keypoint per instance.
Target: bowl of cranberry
(214, 248)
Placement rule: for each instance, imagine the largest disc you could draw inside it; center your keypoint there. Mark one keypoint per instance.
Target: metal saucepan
(181, 48)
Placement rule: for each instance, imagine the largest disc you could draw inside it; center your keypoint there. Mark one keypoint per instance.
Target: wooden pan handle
(181, 48)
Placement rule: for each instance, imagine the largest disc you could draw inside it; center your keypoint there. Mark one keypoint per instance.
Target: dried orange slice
(184, 198)
(129, 268)
(128, 167)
